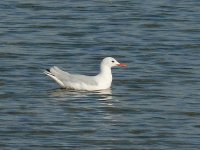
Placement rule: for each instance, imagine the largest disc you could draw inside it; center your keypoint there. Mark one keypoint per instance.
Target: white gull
(101, 81)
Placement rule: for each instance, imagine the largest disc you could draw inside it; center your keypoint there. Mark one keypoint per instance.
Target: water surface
(153, 104)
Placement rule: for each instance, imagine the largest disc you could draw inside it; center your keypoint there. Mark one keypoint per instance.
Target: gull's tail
(48, 73)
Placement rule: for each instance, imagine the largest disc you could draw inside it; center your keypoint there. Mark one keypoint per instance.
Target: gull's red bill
(122, 65)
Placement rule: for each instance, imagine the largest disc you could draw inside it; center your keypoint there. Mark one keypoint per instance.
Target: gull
(101, 81)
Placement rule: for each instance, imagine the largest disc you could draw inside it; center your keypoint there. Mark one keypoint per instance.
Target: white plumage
(101, 81)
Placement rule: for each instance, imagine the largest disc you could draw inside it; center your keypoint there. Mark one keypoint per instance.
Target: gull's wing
(67, 80)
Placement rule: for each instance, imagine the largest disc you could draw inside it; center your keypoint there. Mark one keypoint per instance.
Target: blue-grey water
(154, 103)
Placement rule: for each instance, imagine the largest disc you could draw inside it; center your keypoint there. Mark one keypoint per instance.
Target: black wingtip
(48, 70)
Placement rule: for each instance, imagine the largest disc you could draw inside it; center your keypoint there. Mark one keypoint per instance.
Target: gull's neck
(105, 71)
(104, 78)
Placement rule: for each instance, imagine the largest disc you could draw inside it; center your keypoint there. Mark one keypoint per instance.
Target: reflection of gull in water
(64, 94)
(105, 94)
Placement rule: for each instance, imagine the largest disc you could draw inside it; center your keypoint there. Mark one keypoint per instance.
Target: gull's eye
(113, 61)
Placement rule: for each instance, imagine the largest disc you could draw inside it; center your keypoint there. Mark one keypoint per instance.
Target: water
(153, 104)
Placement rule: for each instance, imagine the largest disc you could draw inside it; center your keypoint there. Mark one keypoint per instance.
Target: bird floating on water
(101, 81)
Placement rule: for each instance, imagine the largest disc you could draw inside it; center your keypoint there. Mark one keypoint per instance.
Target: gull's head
(111, 62)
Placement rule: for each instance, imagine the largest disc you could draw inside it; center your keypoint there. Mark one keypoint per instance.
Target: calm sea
(154, 103)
